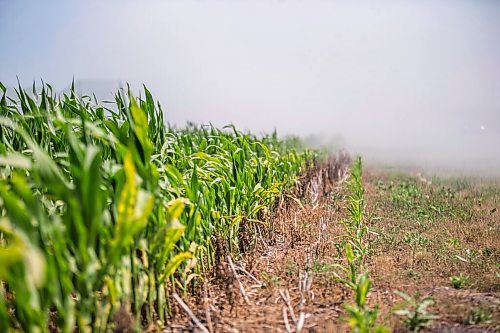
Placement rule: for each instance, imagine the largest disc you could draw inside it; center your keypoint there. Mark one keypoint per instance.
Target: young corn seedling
(415, 315)
(459, 281)
(362, 318)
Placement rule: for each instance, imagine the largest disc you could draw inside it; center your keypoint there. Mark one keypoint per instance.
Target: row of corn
(362, 317)
(106, 209)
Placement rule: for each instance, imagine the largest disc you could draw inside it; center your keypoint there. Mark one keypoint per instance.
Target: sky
(398, 81)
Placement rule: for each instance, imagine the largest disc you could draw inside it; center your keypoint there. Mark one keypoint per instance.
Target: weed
(415, 240)
(415, 314)
(470, 257)
(454, 242)
(291, 268)
(320, 267)
(459, 281)
(478, 315)
(270, 279)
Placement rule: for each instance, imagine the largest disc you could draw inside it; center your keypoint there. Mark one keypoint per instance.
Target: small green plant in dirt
(459, 281)
(415, 314)
(362, 318)
(478, 315)
(322, 267)
(270, 279)
(454, 242)
(470, 257)
(415, 240)
(291, 268)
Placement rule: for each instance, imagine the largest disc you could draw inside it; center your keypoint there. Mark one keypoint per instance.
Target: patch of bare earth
(286, 282)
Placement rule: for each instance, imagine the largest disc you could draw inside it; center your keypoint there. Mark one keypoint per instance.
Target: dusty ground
(422, 232)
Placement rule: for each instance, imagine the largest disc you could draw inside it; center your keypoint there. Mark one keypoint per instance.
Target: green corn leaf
(364, 285)
(175, 209)
(141, 130)
(19, 250)
(173, 264)
(349, 253)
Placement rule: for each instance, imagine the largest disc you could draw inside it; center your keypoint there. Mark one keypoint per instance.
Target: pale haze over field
(406, 81)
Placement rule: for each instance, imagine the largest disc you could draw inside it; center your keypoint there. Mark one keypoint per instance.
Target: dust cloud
(400, 82)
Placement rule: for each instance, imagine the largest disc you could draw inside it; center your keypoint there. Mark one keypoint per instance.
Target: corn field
(105, 209)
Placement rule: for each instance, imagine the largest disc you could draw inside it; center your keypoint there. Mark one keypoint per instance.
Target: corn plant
(415, 315)
(415, 240)
(109, 208)
(356, 230)
(362, 318)
(479, 315)
(459, 281)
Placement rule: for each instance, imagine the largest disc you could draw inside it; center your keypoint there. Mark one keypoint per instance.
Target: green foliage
(470, 257)
(415, 240)
(101, 208)
(478, 315)
(413, 198)
(459, 281)
(362, 318)
(415, 314)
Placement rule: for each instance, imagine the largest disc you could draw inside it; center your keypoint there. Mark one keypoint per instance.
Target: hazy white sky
(421, 78)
